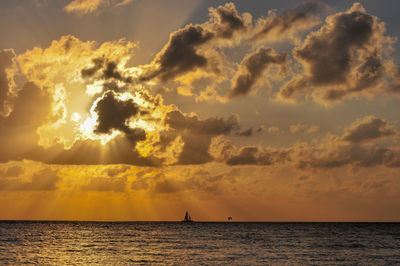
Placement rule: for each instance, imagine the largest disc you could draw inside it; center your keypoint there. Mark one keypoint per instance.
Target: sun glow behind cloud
(111, 133)
(73, 55)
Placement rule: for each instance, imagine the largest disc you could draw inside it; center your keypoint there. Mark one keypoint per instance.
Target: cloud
(180, 54)
(114, 171)
(196, 180)
(97, 65)
(119, 150)
(185, 50)
(43, 180)
(343, 58)
(252, 67)
(367, 129)
(275, 130)
(105, 184)
(329, 51)
(83, 118)
(358, 146)
(210, 126)
(226, 20)
(12, 171)
(335, 154)
(91, 101)
(245, 133)
(114, 113)
(110, 70)
(6, 61)
(56, 70)
(144, 179)
(331, 153)
(197, 134)
(83, 7)
(168, 186)
(139, 184)
(302, 128)
(31, 107)
(276, 27)
(256, 156)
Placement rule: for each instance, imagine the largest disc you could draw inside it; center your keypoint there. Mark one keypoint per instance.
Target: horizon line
(180, 221)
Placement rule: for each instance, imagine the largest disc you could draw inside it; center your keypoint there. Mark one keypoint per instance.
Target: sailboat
(187, 218)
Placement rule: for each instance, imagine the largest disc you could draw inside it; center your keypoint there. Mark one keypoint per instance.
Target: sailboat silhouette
(187, 218)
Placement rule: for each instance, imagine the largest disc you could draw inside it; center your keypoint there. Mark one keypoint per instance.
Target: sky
(138, 110)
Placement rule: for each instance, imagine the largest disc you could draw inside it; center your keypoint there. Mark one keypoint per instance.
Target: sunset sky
(142, 109)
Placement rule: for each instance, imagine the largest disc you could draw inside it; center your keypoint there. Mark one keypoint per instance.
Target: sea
(198, 243)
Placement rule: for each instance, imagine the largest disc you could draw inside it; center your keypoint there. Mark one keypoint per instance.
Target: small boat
(187, 218)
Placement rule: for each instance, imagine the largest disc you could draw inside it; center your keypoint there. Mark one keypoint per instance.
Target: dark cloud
(245, 133)
(348, 154)
(328, 52)
(166, 137)
(109, 70)
(356, 147)
(6, 61)
(114, 113)
(301, 17)
(182, 52)
(197, 134)
(195, 149)
(247, 155)
(97, 65)
(210, 126)
(255, 156)
(226, 20)
(359, 146)
(293, 87)
(368, 128)
(369, 73)
(43, 180)
(329, 154)
(343, 57)
(252, 67)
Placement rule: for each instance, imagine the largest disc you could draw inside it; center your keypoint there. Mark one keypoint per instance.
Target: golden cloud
(83, 7)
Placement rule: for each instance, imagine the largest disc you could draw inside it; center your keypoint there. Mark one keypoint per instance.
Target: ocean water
(127, 243)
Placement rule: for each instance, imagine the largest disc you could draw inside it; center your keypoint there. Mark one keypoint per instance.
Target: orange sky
(137, 110)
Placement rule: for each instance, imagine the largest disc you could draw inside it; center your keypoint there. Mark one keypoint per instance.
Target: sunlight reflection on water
(198, 243)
